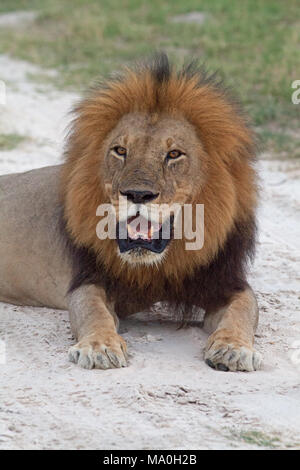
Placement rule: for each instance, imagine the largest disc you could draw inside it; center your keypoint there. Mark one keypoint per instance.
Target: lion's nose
(139, 197)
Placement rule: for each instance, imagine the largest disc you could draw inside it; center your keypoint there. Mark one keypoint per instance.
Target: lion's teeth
(131, 232)
(144, 229)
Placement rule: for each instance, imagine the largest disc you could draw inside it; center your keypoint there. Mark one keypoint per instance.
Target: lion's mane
(206, 278)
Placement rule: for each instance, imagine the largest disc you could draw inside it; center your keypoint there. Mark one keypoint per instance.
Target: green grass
(254, 44)
(257, 438)
(260, 439)
(280, 142)
(10, 141)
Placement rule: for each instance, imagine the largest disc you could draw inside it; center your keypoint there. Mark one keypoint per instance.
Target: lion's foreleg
(94, 324)
(230, 346)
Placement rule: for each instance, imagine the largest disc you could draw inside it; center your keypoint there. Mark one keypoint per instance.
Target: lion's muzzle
(139, 232)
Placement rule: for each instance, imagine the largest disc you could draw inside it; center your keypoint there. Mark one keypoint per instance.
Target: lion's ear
(222, 127)
(224, 133)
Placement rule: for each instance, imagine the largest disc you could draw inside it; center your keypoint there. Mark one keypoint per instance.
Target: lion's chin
(142, 241)
(141, 256)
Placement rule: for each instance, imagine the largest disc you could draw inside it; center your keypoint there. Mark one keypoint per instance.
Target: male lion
(151, 136)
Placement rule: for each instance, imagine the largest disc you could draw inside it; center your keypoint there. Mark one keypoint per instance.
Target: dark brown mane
(209, 287)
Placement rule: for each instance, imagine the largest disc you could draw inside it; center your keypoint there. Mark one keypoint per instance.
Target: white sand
(167, 397)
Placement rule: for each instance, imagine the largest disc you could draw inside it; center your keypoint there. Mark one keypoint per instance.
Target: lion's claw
(92, 353)
(231, 356)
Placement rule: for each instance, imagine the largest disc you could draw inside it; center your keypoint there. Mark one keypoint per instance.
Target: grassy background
(10, 141)
(254, 44)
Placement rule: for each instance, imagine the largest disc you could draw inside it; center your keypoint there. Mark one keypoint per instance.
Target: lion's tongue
(139, 227)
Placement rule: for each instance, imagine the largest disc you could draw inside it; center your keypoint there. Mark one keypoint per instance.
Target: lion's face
(151, 167)
(155, 136)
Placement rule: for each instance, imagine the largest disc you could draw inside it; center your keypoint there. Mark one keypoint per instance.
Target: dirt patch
(193, 17)
(17, 19)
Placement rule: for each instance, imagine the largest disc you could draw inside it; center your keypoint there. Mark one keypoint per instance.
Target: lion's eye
(120, 151)
(174, 154)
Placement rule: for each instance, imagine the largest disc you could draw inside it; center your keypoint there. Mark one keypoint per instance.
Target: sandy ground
(167, 397)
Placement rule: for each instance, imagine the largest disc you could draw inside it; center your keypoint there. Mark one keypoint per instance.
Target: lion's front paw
(100, 351)
(231, 354)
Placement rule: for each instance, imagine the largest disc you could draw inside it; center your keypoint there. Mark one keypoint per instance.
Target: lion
(149, 136)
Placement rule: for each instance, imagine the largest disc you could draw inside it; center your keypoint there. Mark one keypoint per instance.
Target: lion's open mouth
(138, 232)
